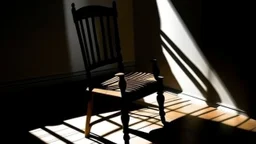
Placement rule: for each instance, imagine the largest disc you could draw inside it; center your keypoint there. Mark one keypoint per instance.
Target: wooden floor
(145, 120)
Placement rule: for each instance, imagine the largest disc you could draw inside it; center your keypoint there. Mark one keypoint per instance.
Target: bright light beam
(174, 28)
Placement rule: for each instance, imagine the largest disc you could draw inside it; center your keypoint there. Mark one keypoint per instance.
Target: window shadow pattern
(211, 95)
(190, 127)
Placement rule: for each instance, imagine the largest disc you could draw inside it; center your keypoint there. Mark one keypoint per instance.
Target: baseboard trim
(175, 91)
(60, 78)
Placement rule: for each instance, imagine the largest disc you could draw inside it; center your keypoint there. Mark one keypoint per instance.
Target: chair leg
(124, 108)
(125, 121)
(161, 99)
(88, 116)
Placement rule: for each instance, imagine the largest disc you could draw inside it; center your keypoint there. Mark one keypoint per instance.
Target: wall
(194, 58)
(34, 41)
(40, 38)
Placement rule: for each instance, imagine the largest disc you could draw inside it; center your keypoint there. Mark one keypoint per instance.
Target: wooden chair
(100, 48)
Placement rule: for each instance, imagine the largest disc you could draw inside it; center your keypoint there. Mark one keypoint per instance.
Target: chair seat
(137, 83)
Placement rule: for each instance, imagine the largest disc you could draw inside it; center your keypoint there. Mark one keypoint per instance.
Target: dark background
(225, 32)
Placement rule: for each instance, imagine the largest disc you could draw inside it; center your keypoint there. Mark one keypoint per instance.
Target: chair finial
(114, 4)
(119, 74)
(73, 5)
(160, 77)
(154, 60)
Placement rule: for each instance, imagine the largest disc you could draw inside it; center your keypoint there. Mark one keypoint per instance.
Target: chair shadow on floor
(191, 129)
(194, 130)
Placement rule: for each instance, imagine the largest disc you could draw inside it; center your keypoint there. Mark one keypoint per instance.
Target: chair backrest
(98, 36)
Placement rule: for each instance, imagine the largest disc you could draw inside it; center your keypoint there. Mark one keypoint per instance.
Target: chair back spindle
(98, 36)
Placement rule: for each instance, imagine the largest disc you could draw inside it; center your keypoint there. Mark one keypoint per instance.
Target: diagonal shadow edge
(211, 95)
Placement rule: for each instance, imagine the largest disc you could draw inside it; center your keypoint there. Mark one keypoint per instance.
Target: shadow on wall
(220, 49)
(208, 90)
(125, 27)
(185, 62)
(40, 39)
(34, 42)
(147, 41)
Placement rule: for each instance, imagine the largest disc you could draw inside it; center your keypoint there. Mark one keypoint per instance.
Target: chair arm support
(122, 83)
(155, 68)
(161, 99)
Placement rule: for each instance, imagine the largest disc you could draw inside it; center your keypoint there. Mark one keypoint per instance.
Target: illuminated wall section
(173, 27)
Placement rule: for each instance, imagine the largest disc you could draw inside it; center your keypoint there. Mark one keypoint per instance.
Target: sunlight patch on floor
(212, 114)
(143, 120)
(248, 125)
(205, 110)
(45, 136)
(68, 133)
(191, 108)
(235, 121)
